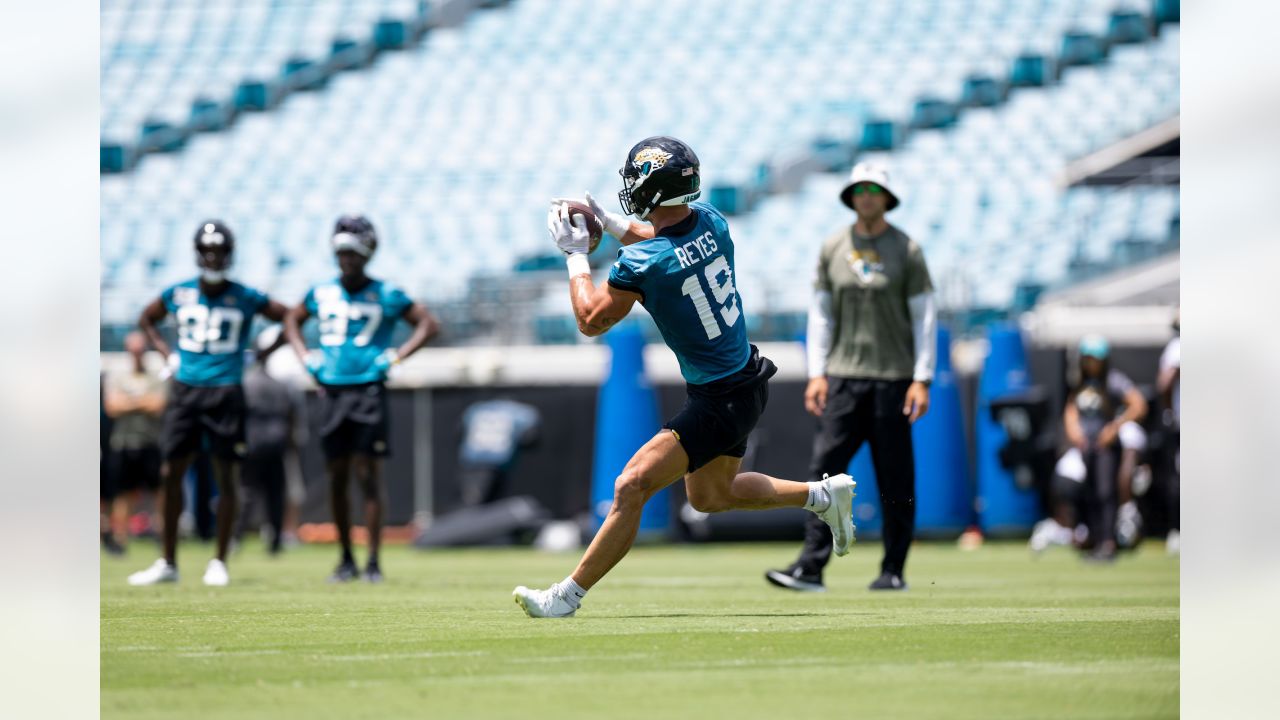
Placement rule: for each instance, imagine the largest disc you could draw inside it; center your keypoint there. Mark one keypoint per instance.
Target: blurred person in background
(206, 398)
(1169, 385)
(275, 424)
(357, 316)
(135, 400)
(871, 353)
(1097, 409)
(106, 478)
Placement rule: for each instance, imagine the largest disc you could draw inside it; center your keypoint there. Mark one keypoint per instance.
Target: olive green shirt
(870, 280)
(137, 429)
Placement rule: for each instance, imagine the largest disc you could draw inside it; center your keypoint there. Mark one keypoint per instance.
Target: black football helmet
(356, 233)
(214, 244)
(659, 170)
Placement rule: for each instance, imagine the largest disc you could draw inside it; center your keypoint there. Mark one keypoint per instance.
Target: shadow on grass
(721, 615)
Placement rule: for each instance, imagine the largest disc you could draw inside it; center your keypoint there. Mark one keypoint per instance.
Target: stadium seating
(454, 146)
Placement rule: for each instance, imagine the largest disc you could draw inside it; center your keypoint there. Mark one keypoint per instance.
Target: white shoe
(1173, 542)
(839, 514)
(1047, 533)
(216, 573)
(159, 572)
(550, 603)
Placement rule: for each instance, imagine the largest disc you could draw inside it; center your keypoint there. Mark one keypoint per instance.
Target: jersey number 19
(723, 293)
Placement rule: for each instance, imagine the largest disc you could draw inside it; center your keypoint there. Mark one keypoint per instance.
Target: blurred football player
(680, 267)
(206, 400)
(357, 317)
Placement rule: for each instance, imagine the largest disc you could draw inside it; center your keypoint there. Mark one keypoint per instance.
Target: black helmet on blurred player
(659, 171)
(355, 233)
(214, 246)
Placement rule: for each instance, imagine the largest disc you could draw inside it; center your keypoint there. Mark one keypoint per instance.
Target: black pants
(264, 479)
(1102, 497)
(857, 411)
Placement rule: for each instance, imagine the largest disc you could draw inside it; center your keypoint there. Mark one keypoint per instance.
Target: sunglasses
(864, 188)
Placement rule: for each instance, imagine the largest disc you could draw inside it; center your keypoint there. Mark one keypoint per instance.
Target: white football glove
(616, 224)
(171, 364)
(570, 234)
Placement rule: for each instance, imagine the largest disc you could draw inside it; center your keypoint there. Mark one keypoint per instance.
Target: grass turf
(676, 631)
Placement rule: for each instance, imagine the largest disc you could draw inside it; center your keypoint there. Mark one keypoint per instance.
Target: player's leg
(226, 473)
(224, 424)
(367, 471)
(1103, 467)
(892, 455)
(126, 486)
(842, 429)
(338, 468)
(180, 434)
(718, 486)
(273, 488)
(657, 464)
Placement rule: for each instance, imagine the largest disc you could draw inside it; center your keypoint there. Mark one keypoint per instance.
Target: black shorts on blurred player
(195, 414)
(136, 468)
(718, 416)
(353, 420)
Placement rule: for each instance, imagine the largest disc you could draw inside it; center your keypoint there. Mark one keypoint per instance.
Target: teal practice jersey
(213, 332)
(355, 328)
(685, 279)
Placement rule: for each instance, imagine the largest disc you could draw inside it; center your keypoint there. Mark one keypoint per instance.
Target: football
(593, 223)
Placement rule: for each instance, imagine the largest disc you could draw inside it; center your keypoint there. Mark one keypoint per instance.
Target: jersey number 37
(338, 317)
(725, 296)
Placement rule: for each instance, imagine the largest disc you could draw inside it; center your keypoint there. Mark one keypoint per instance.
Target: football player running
(206, 401)
(357, 316)
(680, 267)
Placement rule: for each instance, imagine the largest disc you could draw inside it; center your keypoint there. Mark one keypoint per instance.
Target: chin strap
(213, 276)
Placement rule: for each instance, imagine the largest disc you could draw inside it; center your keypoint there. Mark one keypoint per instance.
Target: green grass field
(680, 631)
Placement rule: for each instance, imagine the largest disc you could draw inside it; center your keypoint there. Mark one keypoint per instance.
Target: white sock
(819, 498)
(573, 591)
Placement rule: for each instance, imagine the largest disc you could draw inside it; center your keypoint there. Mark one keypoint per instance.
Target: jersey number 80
(214, 330)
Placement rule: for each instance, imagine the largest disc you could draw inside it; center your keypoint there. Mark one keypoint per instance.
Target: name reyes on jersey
(696, 250)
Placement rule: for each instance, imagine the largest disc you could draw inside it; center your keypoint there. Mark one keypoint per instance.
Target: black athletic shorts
(353, 420)
(137, 468)
(198, 414)
(718, 416)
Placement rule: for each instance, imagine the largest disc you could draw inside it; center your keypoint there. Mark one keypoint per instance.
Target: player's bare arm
(274, 311)
(425, 327)
(148, 323)
(293, 321)
(598, 308)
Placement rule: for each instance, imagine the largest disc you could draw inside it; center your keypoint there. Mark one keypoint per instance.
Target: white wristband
(616, 225)
(578, 264)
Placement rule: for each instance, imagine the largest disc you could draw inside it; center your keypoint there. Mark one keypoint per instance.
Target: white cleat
(159, 572)
(1048, 533)
(550, 603)
(216, 574)
(839, 514)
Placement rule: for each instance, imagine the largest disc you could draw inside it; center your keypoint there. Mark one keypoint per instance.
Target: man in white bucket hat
(871, 351)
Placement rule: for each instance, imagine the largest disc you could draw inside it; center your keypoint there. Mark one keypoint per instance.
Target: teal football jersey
(213, 332)
(684, 277)
(355, 328)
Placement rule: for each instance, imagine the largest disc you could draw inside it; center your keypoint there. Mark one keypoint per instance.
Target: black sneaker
(345, 572)
(793, 578)
(373, 573)
(888, 581)
(111, 546)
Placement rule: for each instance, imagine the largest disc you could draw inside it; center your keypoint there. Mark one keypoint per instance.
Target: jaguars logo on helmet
(659, 170)
(355, 233)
